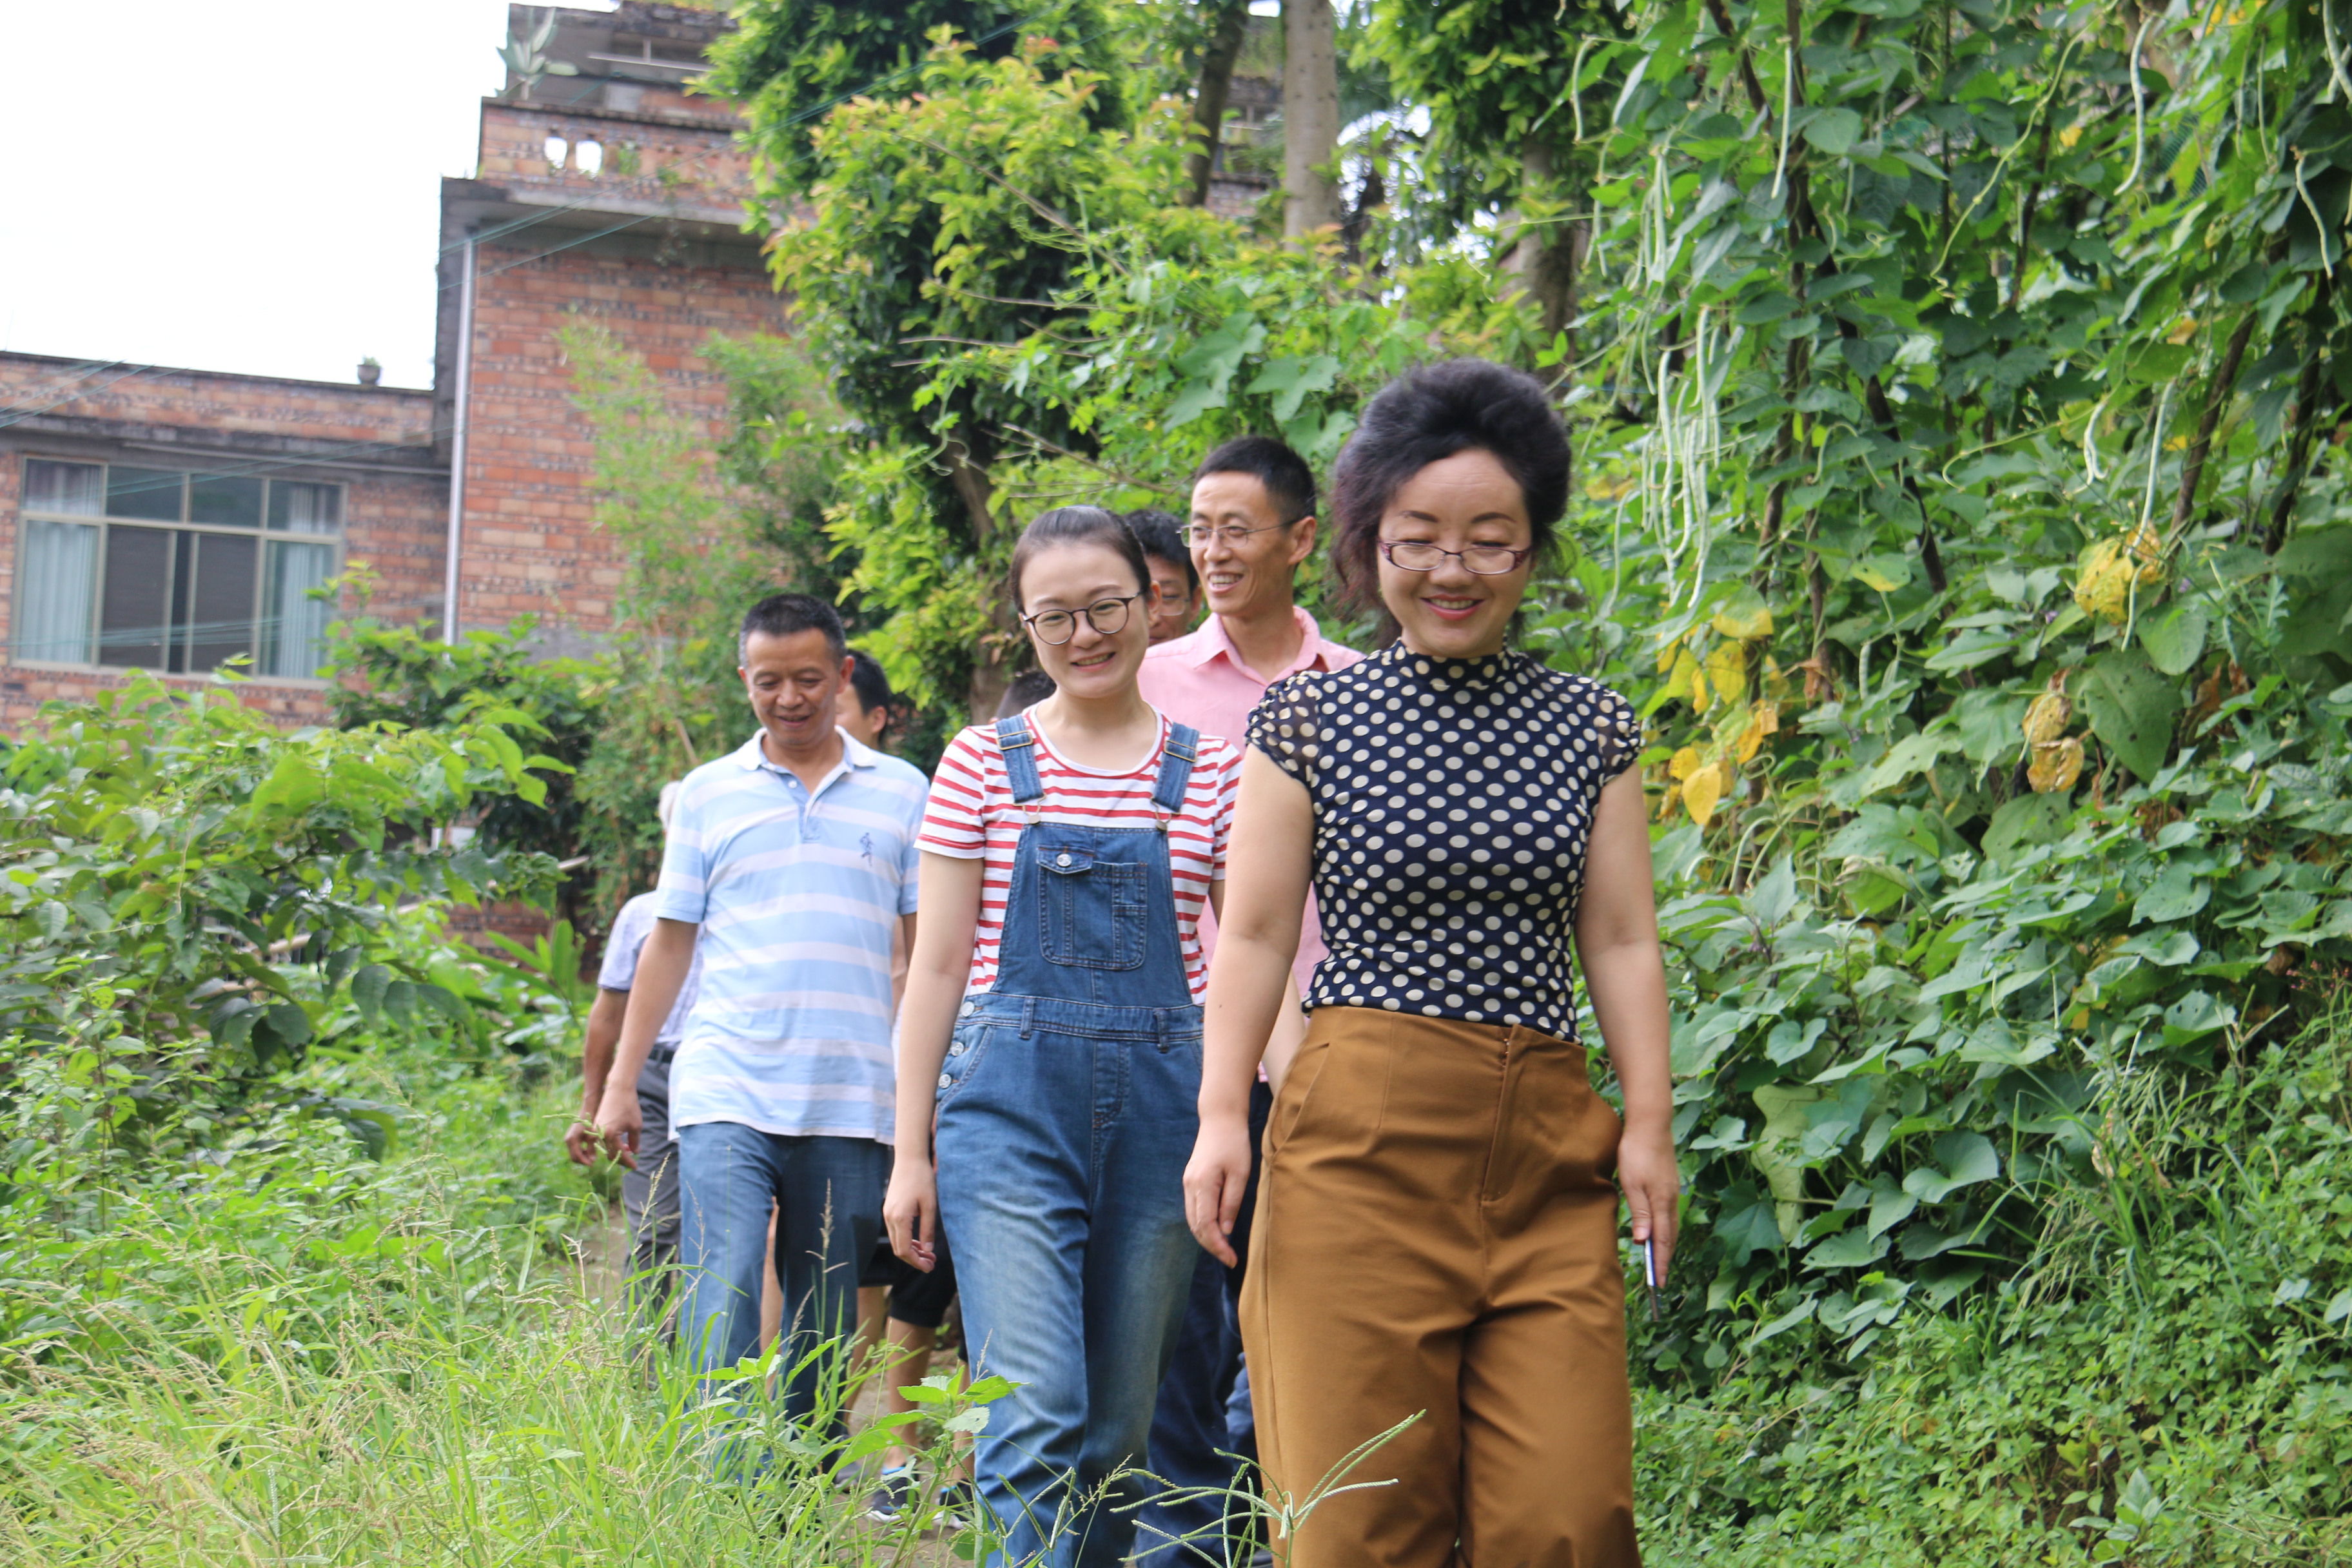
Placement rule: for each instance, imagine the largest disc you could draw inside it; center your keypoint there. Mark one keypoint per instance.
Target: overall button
(967, 1009)
(1062, 859)
(945, 1082)
(955, 1050)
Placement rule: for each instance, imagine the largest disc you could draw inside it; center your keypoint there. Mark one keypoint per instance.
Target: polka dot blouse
(1453, 803)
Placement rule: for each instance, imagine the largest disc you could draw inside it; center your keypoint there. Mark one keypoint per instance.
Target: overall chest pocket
(1095, 913)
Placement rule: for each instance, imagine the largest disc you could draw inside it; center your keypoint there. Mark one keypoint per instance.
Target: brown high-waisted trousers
(1436, 1232)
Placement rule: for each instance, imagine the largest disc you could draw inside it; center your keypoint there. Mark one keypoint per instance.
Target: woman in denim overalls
(1060, 1101)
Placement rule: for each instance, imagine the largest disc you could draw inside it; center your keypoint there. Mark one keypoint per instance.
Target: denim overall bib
(1067, 1112)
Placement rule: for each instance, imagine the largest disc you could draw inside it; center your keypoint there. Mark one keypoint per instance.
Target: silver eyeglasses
(1486, 560)
(1199, 535)
(1055, 628)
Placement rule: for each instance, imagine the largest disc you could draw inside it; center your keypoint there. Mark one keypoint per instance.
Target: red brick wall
(671, 275)
(393, 522)
(531, 542)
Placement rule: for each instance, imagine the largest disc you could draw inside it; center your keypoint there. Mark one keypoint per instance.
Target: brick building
(169, 519)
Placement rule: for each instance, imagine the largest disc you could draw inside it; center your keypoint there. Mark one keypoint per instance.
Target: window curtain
(53, 597)
(294, 624)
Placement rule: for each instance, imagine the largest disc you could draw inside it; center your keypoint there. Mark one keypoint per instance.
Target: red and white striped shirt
(972, 816)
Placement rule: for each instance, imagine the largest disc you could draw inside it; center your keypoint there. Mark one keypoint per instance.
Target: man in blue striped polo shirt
(791, 860)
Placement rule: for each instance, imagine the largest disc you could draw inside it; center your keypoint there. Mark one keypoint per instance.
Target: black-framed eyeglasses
(1485, 559)
(1055, 628)
(1200, 536)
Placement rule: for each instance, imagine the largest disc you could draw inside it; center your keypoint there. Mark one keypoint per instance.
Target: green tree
(699, 540)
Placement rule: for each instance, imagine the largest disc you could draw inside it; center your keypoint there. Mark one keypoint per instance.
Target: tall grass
(293, 1354)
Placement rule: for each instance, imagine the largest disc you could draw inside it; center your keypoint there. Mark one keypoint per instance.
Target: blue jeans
(1064, 1129)
(826, 1193)
(1189, 1436)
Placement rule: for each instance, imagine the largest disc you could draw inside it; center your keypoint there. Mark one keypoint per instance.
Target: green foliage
(700, 537)
(789, 63)
(1921, 366)
(407, 677)
(2164, 1383)
(163, 851)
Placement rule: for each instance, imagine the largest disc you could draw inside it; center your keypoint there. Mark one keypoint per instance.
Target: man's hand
(1213, 1182)
(583, 1140)
(621, 1122)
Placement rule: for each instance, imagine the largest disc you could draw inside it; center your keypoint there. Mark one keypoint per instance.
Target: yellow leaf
(2068, 137)
(1727, 670)
(2045, 721)
(1763, 720)
(1699, 698)
(1701, 793)
(1684, 764)
(2057, 765)
(1746, 617)
(1673, 798)
(1872, 577)
(2103, 586)
(1668, 653)
(1678, 684)
(2147, 547)
(2182, 330)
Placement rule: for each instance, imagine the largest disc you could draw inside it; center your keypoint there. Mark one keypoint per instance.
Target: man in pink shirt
(1253, 525)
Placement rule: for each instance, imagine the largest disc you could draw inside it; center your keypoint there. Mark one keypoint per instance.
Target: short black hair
(1065, 525)
(1162, 533)
(1029, 689)
(865, 676)
(784, 614)
(1289, 482)
(1426, 416)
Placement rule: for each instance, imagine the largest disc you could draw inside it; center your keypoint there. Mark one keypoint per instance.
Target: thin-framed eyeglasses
(1200, 536)
(1055, 628)
(1485, 559)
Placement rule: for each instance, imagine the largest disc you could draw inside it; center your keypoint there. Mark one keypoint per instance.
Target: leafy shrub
(2165, 1382)
(164, 854)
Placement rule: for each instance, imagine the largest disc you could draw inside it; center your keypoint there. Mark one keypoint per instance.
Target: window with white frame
(179, 573)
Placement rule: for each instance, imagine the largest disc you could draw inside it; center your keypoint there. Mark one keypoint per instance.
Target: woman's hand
(1652, 1183)
(912, 1211)
(1213, 1182)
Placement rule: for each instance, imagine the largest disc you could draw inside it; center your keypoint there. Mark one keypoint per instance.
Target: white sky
(247, 187)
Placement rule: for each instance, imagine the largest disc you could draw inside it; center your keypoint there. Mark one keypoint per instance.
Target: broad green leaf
(2025, 821)
(1746, 1225)
(2194, 1016)
(368, 990)
(2132, 709)
(1890, 1205)
(1962, 1160)
(1847, 1249)
(2175, 639)
(1834, 131)
(2176, 893)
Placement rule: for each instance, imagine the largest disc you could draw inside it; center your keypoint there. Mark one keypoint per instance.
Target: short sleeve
(623, 943)
(683, 893)
(1619, 732)
(911, 860)
(1229, 790)
(1283, 726)
(954, 817)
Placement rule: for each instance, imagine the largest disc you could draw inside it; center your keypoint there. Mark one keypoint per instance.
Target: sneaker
(959, 1506)
(894, 1492)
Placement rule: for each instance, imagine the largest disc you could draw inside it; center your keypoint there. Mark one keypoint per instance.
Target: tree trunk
(1545, 258)
(990, 673)
(1229, 31)
(1310, 116)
